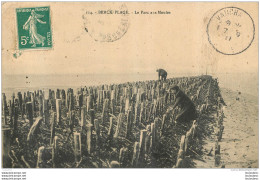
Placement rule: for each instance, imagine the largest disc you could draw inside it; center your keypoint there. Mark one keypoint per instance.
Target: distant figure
(162, 74)
(187, 108)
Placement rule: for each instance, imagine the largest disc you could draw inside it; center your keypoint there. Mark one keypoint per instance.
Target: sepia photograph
(129, 85)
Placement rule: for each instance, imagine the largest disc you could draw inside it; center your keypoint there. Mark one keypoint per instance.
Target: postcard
(130, 85)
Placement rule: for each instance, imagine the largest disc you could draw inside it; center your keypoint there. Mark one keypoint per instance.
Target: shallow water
(246, 83)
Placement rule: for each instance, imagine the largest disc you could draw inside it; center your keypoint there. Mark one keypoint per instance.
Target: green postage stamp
(34, 28)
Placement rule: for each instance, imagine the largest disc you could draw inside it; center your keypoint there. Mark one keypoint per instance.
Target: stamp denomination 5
(34, 28)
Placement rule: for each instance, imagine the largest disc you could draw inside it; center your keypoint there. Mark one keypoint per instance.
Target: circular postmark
(231, 30)
(107, 23)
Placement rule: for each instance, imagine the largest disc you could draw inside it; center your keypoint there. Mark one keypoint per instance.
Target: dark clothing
(188, 114)
(187, 108)
(162, 74)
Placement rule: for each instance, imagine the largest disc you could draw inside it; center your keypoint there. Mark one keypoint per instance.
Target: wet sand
(239, 144)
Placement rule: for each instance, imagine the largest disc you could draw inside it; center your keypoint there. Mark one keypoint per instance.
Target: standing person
(162, 74)
(187, 108)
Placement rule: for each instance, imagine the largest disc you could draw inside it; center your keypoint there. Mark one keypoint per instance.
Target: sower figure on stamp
(187, 108)
(162, 74)
(30, 25)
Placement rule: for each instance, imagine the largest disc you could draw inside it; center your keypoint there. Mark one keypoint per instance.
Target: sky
(176, 42)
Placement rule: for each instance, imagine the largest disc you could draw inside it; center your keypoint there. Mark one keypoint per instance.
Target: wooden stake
(83, 117)
(40, 162)
(179, 163)
(6, 146)
(20, 102)
(152, 144)
(105, 111)
(187, 141)
(63, 97)
(34, 129)
(141, 113)
(119, 125)
(99, 99)
(180, 154)
(148, 139)
(129, 124)
(89, 138)
(89, 103)
(33, 103)
(217, 148)
(11, 112)
(80, 100)
(29, 112)
(97, 129)
(55, 152)
(71, 101)
(221, 129)
(71, 120)
(123, 157)
(92, 116)
(77, 146)
(135, 160)
(57, 94)
(156, 131)
(46, 111)
(150, 113)
(136, 115)
(25, 162)
(217, 160)
(52, 128)
(142, 146)
(40, 101)
(15, 129)
(113, 106)
(58, 111)
(182, 143)
(114, 164)
(4, 108)
(163, 123)
(194, 125)
(127, 104)
(110, 130)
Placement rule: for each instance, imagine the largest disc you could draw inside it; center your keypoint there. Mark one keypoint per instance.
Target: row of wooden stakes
(105, 100)
(148, 143)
